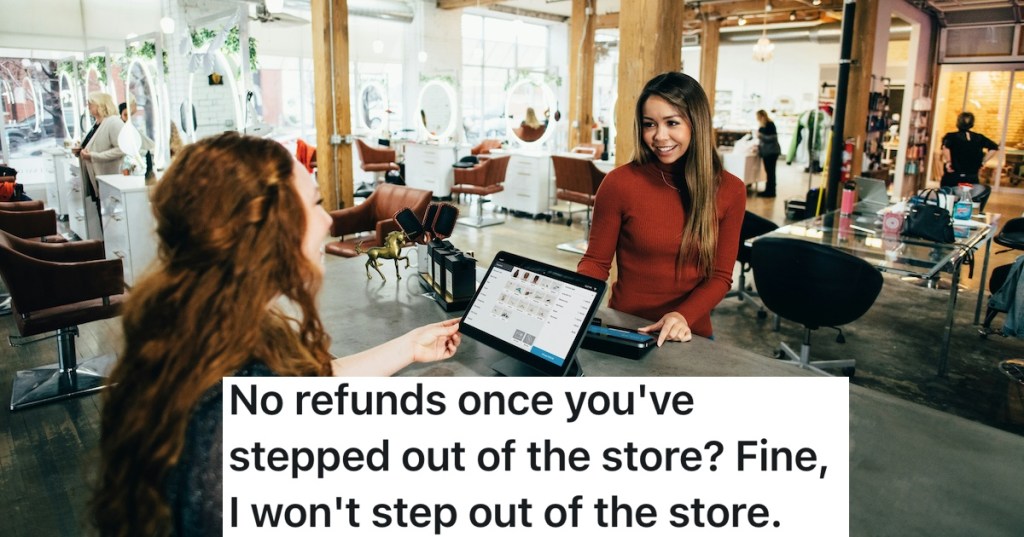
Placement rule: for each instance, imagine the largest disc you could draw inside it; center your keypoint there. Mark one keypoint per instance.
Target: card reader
(624, 342)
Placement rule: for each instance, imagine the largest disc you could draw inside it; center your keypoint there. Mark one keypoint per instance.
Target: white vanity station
(428, 163)
(128, 228)
(529, 182)
(429, 167)
(82, 217)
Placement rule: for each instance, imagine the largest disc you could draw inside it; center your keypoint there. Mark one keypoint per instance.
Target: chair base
(576, 247)
(47, 384)
(5, 305)
(803, 360)
(479, 222)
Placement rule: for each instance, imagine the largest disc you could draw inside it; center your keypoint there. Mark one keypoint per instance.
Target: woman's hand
(86, 155)
(673, 327)
(435, 342)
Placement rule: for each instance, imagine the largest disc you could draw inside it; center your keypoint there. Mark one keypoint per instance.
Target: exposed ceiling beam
(726, 9)
(608, 20)
(459, 4)
(528, 13)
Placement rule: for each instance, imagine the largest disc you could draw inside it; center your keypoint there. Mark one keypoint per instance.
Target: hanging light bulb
(167, 25)
(792, 15)
(378, 46)
(764, 47)
(742, 21)
(816, 2)
(25, 62)
(422, 56)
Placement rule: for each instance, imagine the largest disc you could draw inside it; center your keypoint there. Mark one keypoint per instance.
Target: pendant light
(764, 47)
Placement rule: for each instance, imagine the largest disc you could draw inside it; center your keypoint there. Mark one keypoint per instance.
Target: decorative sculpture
(392, 249)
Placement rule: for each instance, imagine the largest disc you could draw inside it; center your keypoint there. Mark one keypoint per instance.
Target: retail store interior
(441, 89)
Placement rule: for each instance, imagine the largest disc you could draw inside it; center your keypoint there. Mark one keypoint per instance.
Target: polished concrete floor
(47, 454)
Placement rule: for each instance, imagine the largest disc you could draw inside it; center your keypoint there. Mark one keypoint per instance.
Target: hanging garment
(1010, 298)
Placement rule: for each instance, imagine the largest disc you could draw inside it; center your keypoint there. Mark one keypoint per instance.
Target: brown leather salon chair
(576, 181)
(487, 177)
(27, 222)
(56, 287)
(377, 160)
(485, 147)
(594, 150)
(376, 215)
(35, 205)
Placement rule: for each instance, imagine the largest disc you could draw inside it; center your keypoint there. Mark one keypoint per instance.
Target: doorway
(995, 95)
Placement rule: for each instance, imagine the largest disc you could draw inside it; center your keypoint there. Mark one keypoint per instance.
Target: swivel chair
(484, 147)
(376, 160)
(27, 222)
(376, 215)
(56, 287)
(576, 180)
(753, 226)
(814, 285)
(485, 178)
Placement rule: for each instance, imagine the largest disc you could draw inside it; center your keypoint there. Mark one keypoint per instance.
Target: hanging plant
(535, 77)
(202, 36)
(443, 78)
(99, 63)
(147, 51)
(71, 68)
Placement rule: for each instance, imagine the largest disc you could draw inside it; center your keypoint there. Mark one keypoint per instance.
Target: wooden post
(581, 70)
(650, 42)
(710, 39)
(333, 118)
(859, 87)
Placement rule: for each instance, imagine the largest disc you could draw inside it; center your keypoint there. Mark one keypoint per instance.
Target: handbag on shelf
(929, 222)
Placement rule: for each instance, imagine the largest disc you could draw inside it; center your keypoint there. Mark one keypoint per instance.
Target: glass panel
(472, 26)
(472, 51)
(499, 54)
(531, 57)
(500, 30)
(949, 103)
(472, 105)
(494, 103)
(986, 99)
(1013, 167)
(532, 34)
(973, 42)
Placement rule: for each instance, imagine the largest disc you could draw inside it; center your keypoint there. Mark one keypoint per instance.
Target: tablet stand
(510, 367)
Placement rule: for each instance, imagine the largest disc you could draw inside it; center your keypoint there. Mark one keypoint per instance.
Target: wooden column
(650, 42)
(333, 118)
(581, 70)
(709, 41)
(859, 87)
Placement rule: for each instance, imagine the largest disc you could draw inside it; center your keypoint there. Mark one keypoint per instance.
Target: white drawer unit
(128, 226)
(429, 167)
(529, 187)
(62, 176)
(83, 219)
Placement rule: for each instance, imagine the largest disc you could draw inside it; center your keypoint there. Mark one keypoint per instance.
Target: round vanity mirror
(69, 107)
(529, 112)
(373, 106)
(143, 112)
(437, 110)
(214, 99)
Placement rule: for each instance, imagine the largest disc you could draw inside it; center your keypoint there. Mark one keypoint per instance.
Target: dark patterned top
(194, 487)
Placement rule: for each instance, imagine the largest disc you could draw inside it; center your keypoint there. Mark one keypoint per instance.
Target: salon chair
(576, 181)
(1011, 237)
(27, 223)
(377, 160)
(376, 215)
(814, 285)
(483, 179)
(594, 150)
(485, 147)
(753, 226)
(35, 205)
(55, 288)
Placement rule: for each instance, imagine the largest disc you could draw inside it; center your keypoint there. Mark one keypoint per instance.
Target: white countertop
(125, 183)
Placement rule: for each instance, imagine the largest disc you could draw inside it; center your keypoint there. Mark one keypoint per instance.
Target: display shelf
(917, 142)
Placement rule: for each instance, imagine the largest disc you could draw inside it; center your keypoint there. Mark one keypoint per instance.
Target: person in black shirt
(769, 150)
(963, 152)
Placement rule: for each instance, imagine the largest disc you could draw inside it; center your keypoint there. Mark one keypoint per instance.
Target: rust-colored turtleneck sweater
(639, 218)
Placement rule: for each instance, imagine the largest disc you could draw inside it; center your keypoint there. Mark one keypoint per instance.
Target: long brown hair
(230, 223)
(702, 168)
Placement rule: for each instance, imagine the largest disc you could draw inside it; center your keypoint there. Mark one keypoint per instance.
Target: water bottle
(964, 203)
(846, 206)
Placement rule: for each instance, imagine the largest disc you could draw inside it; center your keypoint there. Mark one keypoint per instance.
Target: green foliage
(202, 36)
(100, 64)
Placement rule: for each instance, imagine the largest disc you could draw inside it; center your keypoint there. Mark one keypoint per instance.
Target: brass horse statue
(392, 249)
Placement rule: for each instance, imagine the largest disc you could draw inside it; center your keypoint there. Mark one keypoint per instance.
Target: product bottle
(846, 205)
(964, 204)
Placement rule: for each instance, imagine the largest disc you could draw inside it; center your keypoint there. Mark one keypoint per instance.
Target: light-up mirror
(69, 106)
(528, 112)
(373, 106)
(437, 110)
(214, 98)
(143, 110)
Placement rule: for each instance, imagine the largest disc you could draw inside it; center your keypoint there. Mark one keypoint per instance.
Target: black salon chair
(753, 226)
(54, 288)
(814, 285)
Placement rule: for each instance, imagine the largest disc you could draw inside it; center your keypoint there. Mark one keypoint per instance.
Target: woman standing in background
(769, 151)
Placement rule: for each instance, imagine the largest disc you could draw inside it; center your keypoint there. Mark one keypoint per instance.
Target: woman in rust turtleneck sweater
(671, 217)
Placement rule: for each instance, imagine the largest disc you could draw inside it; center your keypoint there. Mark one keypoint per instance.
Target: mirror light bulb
(422, 56)
(167, 25)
